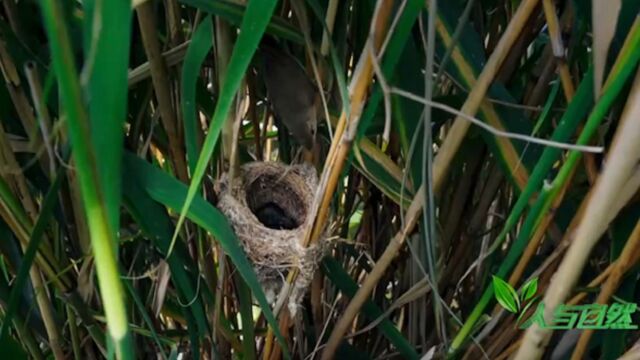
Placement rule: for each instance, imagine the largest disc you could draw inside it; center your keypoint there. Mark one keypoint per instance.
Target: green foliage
(528, 290)
(506, 295)
(117, 123)
(201, 43)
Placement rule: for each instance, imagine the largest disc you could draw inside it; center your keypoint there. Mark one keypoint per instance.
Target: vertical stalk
(102, 236)
(162, 87)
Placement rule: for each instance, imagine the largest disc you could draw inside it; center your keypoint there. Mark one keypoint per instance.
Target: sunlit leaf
(528, 290)
(506, 295)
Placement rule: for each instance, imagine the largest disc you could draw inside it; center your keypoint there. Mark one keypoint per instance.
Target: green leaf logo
(506, 295)
(528, 290)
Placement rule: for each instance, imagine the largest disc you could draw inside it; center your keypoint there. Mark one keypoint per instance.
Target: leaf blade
(528, 290)
(505, 294)
(167, 190)
(201, 43)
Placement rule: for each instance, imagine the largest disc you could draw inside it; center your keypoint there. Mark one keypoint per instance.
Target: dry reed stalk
(162, 87)
(621, 162)
(453, 139)
(341, 144)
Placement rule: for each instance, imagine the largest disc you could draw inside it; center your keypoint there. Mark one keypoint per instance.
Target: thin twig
(428, 214)
(498, 132)
(452, 143)
(462, 22)
(172, 57)
(392, 27)
(304, 24)
(459, 129)
(341, 144)
(382, 81)
(41, 110)
(621, 265)
(558, 48)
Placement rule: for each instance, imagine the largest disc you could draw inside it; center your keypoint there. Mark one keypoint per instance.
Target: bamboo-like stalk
(102, 236)
(162, 87)
(223, 46)
(13, 16)
(539, 233)
(563, 71)
(221, 281)
(519, 173)
(604, 16)
(276, 354)
(330, 20)
(458, 131)
(627, 263)
(14, 177)
(454, 139)
(42, 299)
(45, 260)
(558, 48)
(542, 228)
(171, 57)
(619, 268)
(46, 310)
(343, 138)
(73, 333)
(174, 21)
(344, 134)
(21, 103)
(301, 15)
(429, 211)
(253, 115)
(633, 353)
(345, 131)
(239, 111)
(395, 244)
(28, 339)
(268, 126)
(44, 120)
(20, 216)
(621, 70)
(621, 161)
(624, 196)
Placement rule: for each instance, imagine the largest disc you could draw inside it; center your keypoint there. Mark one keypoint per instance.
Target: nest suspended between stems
(267, 206)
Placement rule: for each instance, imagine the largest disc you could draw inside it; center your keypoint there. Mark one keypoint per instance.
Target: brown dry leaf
(86, 286)
(605, 19)
(163, 284)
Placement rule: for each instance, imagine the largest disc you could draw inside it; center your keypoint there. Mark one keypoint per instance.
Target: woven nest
(267, 206)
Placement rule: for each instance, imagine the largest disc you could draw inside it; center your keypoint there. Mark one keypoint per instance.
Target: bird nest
(267, 206)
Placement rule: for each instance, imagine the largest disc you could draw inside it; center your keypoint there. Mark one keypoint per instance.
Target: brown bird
(291, 93)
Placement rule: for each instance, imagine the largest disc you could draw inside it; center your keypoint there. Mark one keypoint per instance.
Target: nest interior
(276, 203)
